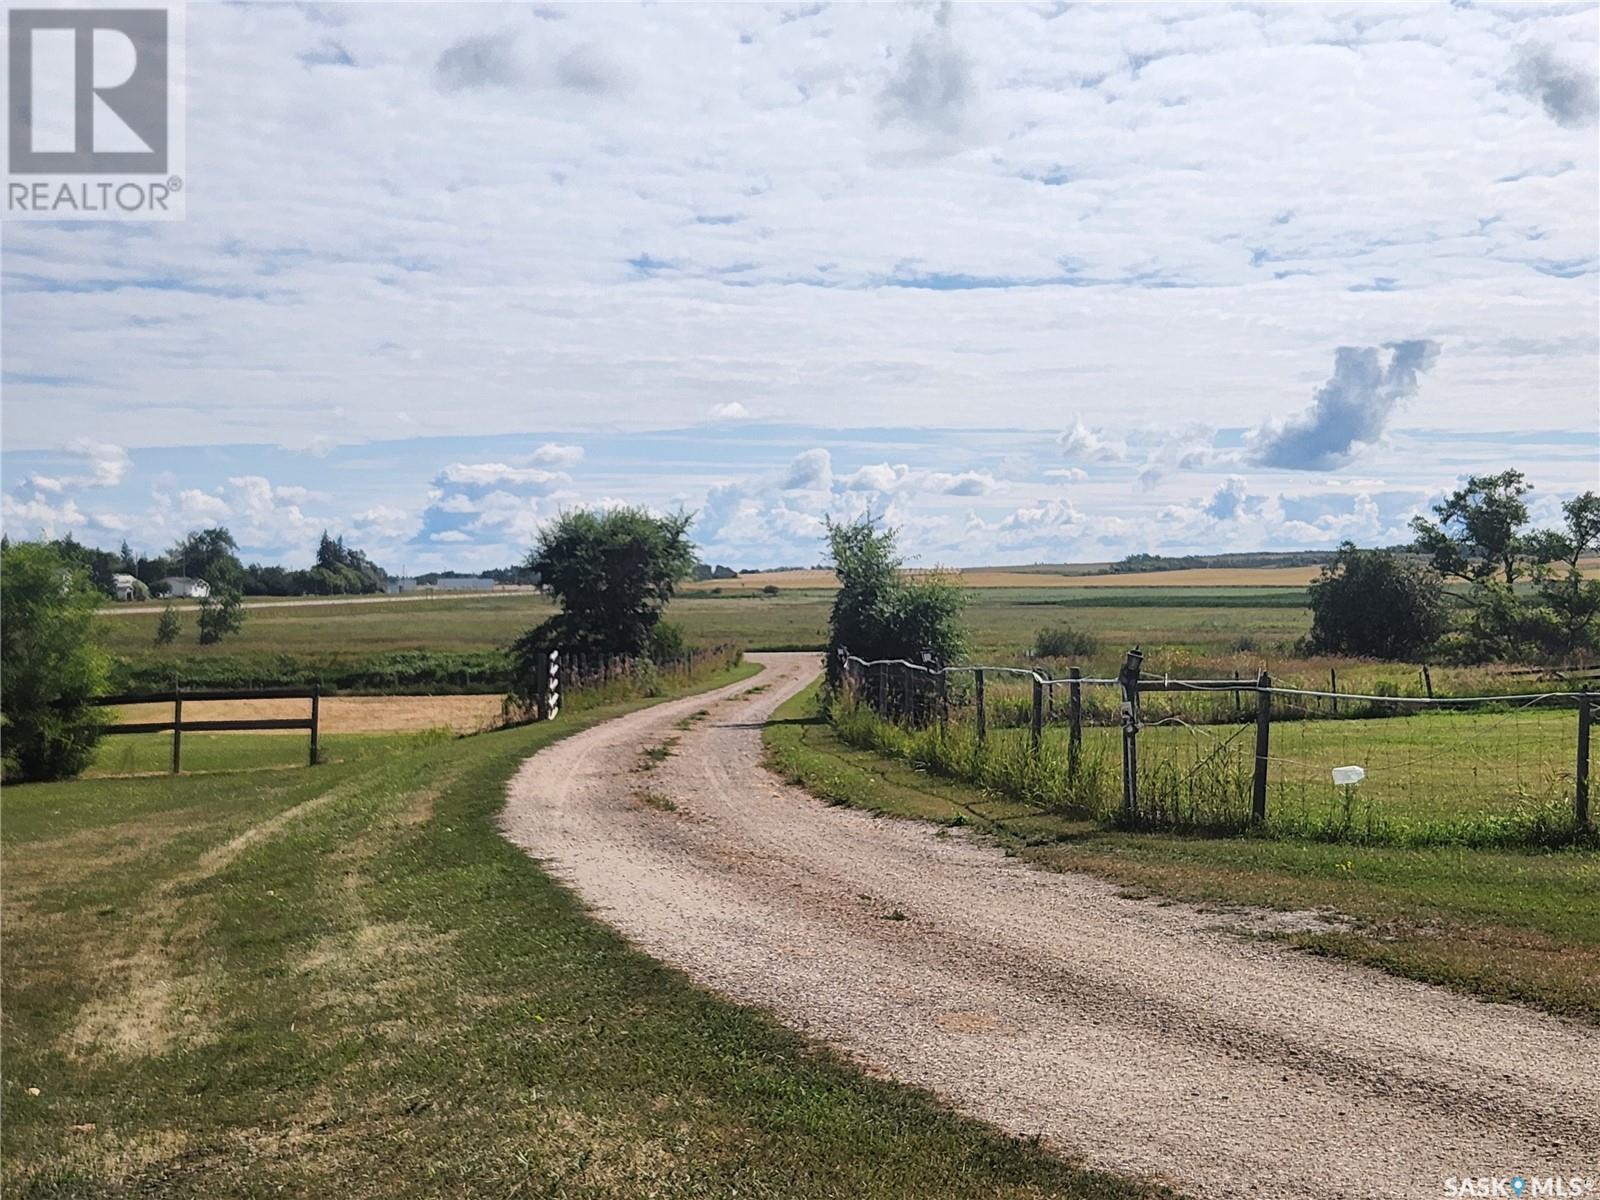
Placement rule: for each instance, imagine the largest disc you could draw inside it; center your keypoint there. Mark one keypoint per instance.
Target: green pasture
(1184, 631)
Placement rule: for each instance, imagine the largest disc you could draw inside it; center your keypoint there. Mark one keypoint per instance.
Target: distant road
(117, 610)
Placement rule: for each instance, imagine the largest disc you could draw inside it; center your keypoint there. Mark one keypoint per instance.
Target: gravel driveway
(1147, 1038)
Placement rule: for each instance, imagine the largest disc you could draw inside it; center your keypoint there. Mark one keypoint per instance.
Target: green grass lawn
(151, 753)
(1521, 926)
(342, 981)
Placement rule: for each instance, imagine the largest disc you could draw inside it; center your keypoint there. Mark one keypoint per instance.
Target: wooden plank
(140, 727)
(202, 694)
(269, 723)
(206, 726)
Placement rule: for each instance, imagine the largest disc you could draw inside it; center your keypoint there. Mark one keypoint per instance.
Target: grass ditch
(344, 981)
(1511, 926)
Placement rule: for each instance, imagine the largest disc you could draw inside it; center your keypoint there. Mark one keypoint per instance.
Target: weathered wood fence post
(1258, 789)
(1581, 776)
(1075, 717)
(177, 730)
(983, 716)
(1427, 680)
(1333, 688)
(1128, 678)
(1036, 722)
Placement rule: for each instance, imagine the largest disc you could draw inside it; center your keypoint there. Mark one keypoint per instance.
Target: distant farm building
(440, 583)
(182, 585)
(124, 587)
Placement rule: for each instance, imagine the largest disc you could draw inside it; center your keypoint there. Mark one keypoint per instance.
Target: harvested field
(342, 714)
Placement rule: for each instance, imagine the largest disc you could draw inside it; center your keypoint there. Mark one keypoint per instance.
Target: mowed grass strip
(343, 981)
(1510, 926)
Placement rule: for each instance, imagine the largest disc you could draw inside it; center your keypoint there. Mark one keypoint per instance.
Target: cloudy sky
(1039, 282)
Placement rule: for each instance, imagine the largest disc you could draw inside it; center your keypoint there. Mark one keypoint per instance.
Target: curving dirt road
(1148, 1039)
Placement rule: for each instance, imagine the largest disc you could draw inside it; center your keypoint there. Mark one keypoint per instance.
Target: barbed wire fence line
(1156, 752)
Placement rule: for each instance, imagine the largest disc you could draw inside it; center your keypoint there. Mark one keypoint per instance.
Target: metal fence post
(1075, 718)
(177, 730)
(1333, 688)
(1036, 724)
(1581, 780)
(883, 690)
(1128, 677)
(1258, 789)
(983, 718)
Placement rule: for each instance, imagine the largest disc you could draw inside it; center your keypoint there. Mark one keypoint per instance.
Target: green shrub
(1063, 641)
(52, 664)
(666, 643)
(169, 627)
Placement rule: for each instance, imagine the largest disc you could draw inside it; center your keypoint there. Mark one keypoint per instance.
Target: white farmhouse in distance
(182, 585)
(124, 587)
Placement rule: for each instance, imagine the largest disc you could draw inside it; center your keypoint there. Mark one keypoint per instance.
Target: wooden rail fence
(178, 726)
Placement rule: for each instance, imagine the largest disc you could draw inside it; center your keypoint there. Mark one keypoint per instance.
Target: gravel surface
(1147, 1038)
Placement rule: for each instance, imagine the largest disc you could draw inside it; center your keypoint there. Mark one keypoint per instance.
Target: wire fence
(579, 680)
(1225, 755)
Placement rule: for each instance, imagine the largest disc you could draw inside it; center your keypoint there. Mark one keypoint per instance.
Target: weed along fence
(566, 678)
(178, 726)
(1146, 751)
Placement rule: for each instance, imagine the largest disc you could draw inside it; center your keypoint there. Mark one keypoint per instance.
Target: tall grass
(1200, 786)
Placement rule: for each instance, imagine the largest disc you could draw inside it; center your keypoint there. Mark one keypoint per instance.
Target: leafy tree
(169, 626)
(221, 613)
(878, 612)
(612, 572)
(341, 570)
(209, 554)
(1566, 617)
(52, 662)
(1479, 535)
(1375, 604)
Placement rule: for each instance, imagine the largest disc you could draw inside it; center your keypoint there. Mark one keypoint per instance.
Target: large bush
(880, 611)
(612, 571)
(51, 662)
(1375, 604)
